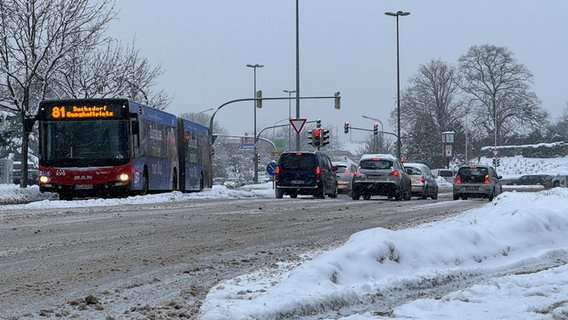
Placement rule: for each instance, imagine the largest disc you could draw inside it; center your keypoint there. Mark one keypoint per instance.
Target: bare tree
(35, 38)
(431, 105)
(498, 88)
(110, 70)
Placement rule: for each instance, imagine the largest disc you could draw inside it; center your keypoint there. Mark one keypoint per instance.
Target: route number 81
(58, 112)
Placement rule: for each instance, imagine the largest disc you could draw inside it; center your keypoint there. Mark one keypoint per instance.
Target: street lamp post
(289, 92)
(297, 70)
(397, 14)
(255, 156)
(206, 110)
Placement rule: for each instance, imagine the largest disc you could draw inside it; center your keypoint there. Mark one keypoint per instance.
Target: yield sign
(298, 124)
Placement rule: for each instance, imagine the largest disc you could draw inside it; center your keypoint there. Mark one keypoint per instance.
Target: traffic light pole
(212, 137)
(277, 126)
(372, 130)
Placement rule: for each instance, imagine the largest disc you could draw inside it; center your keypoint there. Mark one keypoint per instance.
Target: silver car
(380, 175)
(477, 182)
(424, 184)
(344, 171)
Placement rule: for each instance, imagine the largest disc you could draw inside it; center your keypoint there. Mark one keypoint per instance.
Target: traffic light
(376, 129)
(494, 162)
(310, 137)
(346, 127)
(258, 103)
(325, 137)
(337, 100)
(318, 123)
(316, 137)
(498, 162)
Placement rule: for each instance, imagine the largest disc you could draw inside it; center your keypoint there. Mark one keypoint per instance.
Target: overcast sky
(348, 46)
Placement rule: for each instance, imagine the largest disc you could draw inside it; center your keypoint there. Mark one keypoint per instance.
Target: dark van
(305, 173)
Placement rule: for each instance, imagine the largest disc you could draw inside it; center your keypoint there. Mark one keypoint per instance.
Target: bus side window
(135, 136)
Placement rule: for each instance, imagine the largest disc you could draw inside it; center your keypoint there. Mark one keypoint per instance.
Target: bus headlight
(123, 177)
(43, 179)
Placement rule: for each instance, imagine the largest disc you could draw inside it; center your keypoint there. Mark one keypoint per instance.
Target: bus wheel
(175, 181)
(65, 196)
(144, 183)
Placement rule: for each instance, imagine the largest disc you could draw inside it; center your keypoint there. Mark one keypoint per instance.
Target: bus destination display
(78, 112)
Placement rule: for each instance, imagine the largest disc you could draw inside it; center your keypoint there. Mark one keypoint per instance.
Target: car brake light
(354, 173)
(421, 180)
(394, 173)
(486, 179)
(318, 173)
(458, 180)
(346, 171)
(277, 170)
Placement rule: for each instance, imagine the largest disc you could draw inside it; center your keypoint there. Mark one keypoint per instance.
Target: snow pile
(12, 194)
(516, 245)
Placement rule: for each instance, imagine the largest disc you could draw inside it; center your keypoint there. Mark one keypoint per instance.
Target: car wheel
(367, 197)
(435, 195)
(334, 194)
(293, 195)
(321, 193)
(398, 196)
(492, 195)
(408, 195)
(456, 197)
(355, 195)
(278, 193)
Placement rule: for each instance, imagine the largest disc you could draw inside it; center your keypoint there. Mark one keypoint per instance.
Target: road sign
(298, 124)
(271, 168)
(247, 143)
(449, 150)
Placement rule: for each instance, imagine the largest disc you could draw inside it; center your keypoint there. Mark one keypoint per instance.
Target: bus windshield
(84, 143)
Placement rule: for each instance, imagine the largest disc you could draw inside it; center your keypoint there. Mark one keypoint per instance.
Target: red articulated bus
(117, 147)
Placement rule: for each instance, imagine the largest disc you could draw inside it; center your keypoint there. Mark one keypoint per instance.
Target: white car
(447, 174)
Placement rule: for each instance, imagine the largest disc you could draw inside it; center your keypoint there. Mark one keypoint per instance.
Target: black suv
(306, 173)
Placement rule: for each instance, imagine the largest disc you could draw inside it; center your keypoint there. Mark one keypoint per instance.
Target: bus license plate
(84, 187)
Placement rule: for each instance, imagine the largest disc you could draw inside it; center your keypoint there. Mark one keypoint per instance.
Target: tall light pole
(255, 156)
(297, 71)
(289, 92)
(397, 14)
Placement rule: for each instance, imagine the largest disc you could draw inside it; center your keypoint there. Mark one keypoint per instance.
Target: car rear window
(340, 168)
(297, 161)
(445, 173)
(473, 174)
(376, 164)
(413, 171)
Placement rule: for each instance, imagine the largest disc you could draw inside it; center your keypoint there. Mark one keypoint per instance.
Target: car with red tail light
(305, 173)
(344, 171)
(380, 175)
(424, 184)
(477, 181)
